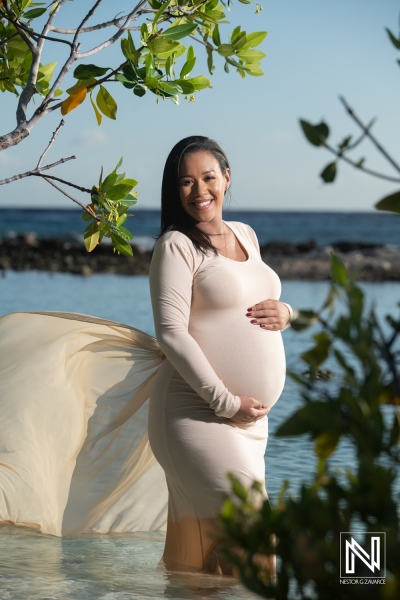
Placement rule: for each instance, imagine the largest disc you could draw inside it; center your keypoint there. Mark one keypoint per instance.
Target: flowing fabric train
(74, 451)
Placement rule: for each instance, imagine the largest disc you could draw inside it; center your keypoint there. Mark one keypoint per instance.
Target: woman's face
(202, 186)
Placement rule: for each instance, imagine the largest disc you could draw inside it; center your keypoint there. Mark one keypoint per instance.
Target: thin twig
(209, 46)
(51, 142)
(35, 171)
(116, 36)
(369, 134)
(83, 207)
(339, 155)
(88, 29)
(77, 187)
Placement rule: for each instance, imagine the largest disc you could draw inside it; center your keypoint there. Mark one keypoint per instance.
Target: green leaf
(86, 216)
(34, 13)
(106, 103)
(254, 39)
(390, 203)
(329, 173)
(46, 71)
(338, 271)
(395, 41)
(186, 86)
(139, 90)
(226, 50)
(178, 32)
(88, 71)
(91, 236)
(216, 36)
(251, 56)
(109, 182)
(315, 134)
(160, 11)
(163, 47)
(320, 352)
(99, 118)
(326, 443)
(303, 319)
(129, 200)
(187, 67)
(120, 244)
(199, 83)
(124, 232)
(121, 190)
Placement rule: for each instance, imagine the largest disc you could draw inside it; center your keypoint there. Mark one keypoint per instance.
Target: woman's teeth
(202, 204)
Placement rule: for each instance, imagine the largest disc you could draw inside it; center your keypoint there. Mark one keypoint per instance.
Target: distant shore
(305, 261)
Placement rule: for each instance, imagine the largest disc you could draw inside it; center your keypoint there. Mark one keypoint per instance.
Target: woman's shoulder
(245, 230)
(174, 238)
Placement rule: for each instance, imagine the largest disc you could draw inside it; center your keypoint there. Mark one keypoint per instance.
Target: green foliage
(361, 408)
(107, 213)
(317, 135)
(158, 58)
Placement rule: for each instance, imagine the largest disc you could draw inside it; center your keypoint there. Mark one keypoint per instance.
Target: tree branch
(74, 185)
(117, 35)
(202, 42)
(88, 29)
(51, 142)
(369, 135)
(35, 171)
(83, 207)
(339, 155)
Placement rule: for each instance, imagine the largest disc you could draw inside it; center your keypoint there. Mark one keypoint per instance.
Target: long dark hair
(173, 215)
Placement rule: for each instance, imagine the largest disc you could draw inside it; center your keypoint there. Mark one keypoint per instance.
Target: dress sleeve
(171, 280)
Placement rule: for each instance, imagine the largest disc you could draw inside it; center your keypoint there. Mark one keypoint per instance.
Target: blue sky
(316, 50)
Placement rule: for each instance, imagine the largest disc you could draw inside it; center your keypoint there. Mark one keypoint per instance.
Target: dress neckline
(240, 240)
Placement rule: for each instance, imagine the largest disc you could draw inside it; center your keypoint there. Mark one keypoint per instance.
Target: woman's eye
(209, 178)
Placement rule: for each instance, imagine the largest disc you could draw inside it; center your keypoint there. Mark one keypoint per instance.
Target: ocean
(122, 567)
(324, 228)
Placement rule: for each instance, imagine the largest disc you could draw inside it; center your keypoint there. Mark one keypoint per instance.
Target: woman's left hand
(269, 314)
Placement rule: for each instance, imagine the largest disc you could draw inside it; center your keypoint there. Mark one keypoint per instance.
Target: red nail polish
(253, 321)
(249, 309)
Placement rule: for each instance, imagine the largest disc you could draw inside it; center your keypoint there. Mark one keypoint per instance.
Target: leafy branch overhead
(318, 135)
(157, 42)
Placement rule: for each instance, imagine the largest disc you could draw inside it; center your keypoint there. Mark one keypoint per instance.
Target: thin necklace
(224, 234)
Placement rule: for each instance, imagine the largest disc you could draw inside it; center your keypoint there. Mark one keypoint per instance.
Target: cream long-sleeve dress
(214, 355)
(74, 439)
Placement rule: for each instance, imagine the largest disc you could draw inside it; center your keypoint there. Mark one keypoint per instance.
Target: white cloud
(91, 137)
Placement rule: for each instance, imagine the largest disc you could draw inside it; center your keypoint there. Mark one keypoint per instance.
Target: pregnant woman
(218, 320)
(76, 452)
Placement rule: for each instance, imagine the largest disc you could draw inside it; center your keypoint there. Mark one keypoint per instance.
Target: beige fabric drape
(74, 451)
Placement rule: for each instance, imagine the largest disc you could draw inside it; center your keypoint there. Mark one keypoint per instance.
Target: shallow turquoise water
(119, 567)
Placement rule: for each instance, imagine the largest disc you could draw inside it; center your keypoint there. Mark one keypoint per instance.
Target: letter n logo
(362, 554)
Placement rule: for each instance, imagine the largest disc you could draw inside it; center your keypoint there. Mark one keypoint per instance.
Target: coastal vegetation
(157, 58)
(360, 408)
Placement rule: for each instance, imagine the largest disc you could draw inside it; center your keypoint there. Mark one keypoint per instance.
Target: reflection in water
(93, 567)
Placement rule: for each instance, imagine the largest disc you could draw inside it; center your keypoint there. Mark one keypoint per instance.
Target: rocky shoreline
(305, 261)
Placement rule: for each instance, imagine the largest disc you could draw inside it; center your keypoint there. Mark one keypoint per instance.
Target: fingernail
(253, 321)
(263, 326)
(248, 314)
(249, 309)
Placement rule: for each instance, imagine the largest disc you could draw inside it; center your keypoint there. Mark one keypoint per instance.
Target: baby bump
(249, 360)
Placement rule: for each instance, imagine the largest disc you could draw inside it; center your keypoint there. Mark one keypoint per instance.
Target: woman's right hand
(250, 410)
